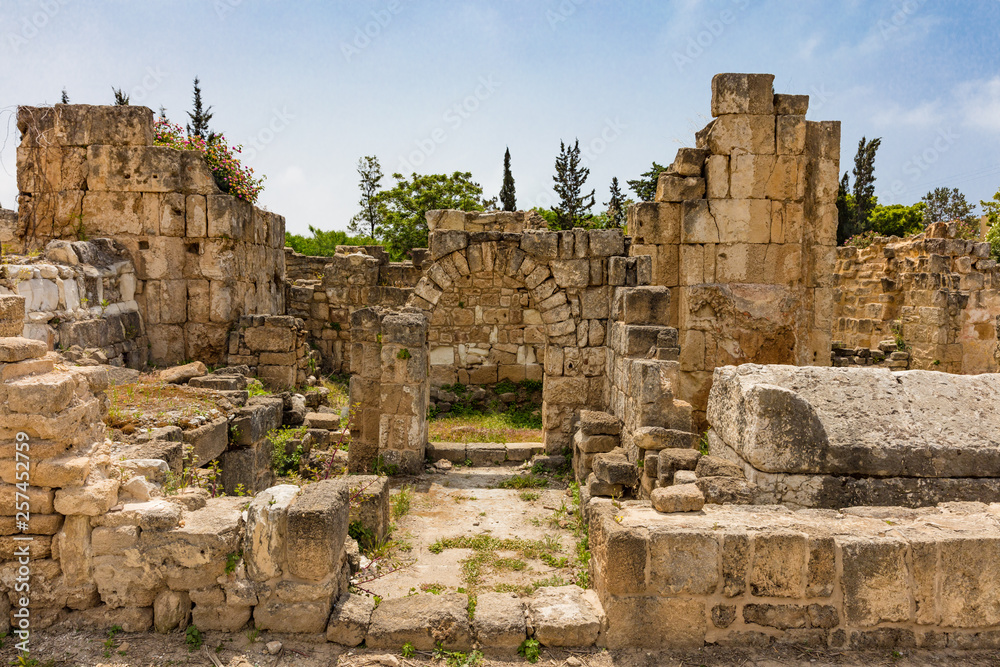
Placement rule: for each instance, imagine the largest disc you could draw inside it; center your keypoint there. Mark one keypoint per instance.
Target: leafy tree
(616, 206)
(507, 195)
(371, 213)
(574, 207)
(853, 214)
(992, 210)
(321, 243)
(121, 99)
(944, 205)
(644, 187)
(65, 97)
(845, 210)
(200, 116)
(898, 220)
(404, 223)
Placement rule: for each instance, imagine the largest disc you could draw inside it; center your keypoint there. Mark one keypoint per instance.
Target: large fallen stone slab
(859, 421)
(565, 616)
(833, 437)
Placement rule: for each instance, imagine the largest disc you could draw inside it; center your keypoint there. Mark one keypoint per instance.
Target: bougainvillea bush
(231, 176)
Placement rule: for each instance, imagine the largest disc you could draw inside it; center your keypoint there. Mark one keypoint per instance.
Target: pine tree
(845, 210)
(644, 187)
(616, 205)
(200, 116)
(944, 205)
(507, 195)
(121, 99)
(65, 97)
(573, 208)
(163, 112)
(372, 212)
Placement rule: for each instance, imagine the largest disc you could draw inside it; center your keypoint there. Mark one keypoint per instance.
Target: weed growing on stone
(283, 462)
(110, 641)
(457, 658)
(527, 481)
(529, 496)
(485, 559)
(408, 650)
(434, 589)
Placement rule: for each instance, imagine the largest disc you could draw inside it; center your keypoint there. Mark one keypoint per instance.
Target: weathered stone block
(423, 621)
(742, 94)
(317, 526)
(565, 616)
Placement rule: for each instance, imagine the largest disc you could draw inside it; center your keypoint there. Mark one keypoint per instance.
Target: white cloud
(979, 103)
(926, 114)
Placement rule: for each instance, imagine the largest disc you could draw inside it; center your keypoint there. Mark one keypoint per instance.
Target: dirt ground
(87, 649)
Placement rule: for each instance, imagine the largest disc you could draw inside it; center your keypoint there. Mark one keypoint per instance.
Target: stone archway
(472, 294)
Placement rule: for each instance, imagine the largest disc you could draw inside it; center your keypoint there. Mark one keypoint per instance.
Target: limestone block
(228, 217)
(671, 188)
(724, 490)
(181, 374)
(672, 460)
(123, 585)
(593, 422)
(104, 617)
(163, 259)
(641, 305)
(689, 162)
(107, 541)
(792, 105)
(823, 139)
(172, 214)
(196, 216)
(968, 581)
(656, 438)
(742, 220)
(59, 472)
(742, 94)
(134, 169)
(787, 180)
(790, 134)
(875, 580)
(198, 301)
(15, 349)
(159, 515)
(171, 610)
(776, 569)
(499, 621)
(639, 623)
(749, 174)
(421, 620)
(565, 616)
(697, 223)
(571, 273)
(317, 526)
(12, 308)
(222, 618)
(716, 177)
(91, 500)
(834, 434)
(266, 528)
(208, 441)
(678, 498)
(306, 617)
(350, 620)
(441, 220)
(614, 468)
(606, 242)
(747, 133)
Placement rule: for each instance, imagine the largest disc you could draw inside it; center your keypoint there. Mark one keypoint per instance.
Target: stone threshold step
(484, 453)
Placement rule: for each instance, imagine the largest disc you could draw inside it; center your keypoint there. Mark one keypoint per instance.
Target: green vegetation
(573, 209)
(527, 481)
(644, 187)
(529, 650)
(400, 502)
(321, 243)
(529, 496)
(283, 462)
(485, 559)
(508, 197)
(408, 650)
(368, 220)
(193, 638)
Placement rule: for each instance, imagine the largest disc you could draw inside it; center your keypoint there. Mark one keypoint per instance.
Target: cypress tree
(507, 196)
(616, 205)
(200, 116)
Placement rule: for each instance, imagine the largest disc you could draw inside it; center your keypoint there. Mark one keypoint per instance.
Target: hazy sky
(433, 86)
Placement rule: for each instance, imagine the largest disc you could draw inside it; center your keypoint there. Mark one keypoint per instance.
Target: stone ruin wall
(743, 230)
(325, 291)
(202, 258)
(80, 299)
(940, 293)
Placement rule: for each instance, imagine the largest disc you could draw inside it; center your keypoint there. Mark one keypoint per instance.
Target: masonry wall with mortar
(861, 578)
(275, 349)
(743, 229)
(354, 278)
(202, 258)
(939, 292)
(81, 294)
(534, 305)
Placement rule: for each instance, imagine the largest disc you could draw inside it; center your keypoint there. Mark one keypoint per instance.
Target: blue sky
(438, 86)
